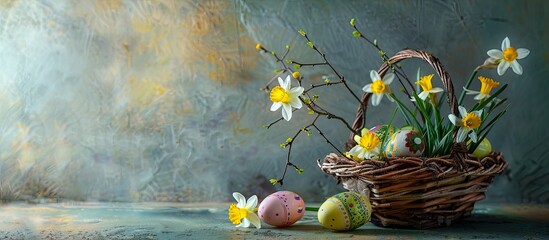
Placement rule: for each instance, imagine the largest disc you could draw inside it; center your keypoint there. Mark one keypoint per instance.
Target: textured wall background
(159, 100)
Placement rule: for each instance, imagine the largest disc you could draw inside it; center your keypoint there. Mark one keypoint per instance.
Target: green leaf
(300, 31)
(273, 181)
(300, 170)
(289, 140)
(356, 33)
(297, 66)
(310, 44)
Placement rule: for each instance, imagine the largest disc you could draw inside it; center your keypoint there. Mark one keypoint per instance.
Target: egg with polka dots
(345, 211)
(281, 209)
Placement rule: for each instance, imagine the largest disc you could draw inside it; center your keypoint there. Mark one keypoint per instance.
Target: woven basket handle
(458, 151)
(406, 54)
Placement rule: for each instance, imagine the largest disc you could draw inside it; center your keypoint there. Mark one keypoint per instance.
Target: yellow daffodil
(427, 86)
(486, 86)
(467, 123)
(243, 213)
(286, 97)
(508, 56)
(368, 146)
(379, 86)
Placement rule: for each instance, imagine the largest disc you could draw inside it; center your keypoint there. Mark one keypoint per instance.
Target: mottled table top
(210, 221)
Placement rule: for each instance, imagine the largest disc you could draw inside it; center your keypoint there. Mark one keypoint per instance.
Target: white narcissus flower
(427, 86)
(243, 213)
(379, 86)
(508, 56)
(367, 147)
(467, 123)
(286, 97)
(486, 86)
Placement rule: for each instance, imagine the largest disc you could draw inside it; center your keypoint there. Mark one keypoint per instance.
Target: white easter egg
(405, 143)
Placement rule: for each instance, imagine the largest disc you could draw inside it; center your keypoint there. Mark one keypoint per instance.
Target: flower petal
(355, 150)
(296, 103)
(374, 75)
(517, 68)
(436, 90)
(388, 79)
(281, 82)
(240, 199)
(297, 91)
(502, 67)
(470, 92)
(462, 111)
(287, 83)
(367, 88)
(276, 106)
(362, 154)
(473, 136)
(494, 53)
(505, 44)
(423, 95)
(245, 223)
(376, 99)
(286, 111)
(454, 119)
(481, 96)
(357, 138)
(251, 203)
(522, 53)
(254, 219)
(461, 135)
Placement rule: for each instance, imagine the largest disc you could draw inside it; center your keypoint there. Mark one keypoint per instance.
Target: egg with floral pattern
(345, 211)
(281, 209)
(405, 143)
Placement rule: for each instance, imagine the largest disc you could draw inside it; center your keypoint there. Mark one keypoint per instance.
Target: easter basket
(417, 192)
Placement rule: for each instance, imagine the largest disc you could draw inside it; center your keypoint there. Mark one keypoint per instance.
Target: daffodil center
(236, 214)
(425, 83)
(279, 94)
(487, 84)
(378, 87)
(471, 121)
(510, 54)
(369, 141)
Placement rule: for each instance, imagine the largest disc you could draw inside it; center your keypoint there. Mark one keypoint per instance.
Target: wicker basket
(417, 192)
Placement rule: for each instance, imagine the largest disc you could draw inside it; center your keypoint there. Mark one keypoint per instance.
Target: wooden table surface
(210, 221)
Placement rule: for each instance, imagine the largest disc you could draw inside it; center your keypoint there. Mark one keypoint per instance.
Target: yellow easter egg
(483, 149)
(345, 211)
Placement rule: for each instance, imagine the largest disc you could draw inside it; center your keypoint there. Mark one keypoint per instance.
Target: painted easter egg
(484, 148)
(345, 211)
(405, 143)
(381, 130)
(281, 209)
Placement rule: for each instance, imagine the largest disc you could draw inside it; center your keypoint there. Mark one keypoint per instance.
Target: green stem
(312, 209)
(467, 86)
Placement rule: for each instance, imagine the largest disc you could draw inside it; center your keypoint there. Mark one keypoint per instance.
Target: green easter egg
(483, 149)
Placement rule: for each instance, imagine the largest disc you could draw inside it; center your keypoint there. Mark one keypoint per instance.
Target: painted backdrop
(117, 100)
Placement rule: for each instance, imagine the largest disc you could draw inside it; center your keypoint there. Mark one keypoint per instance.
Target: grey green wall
(159, 100)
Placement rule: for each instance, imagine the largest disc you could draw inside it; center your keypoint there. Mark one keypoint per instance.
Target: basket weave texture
(417, 192)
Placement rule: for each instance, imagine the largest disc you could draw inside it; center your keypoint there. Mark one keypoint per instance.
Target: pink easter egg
(281, 209)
